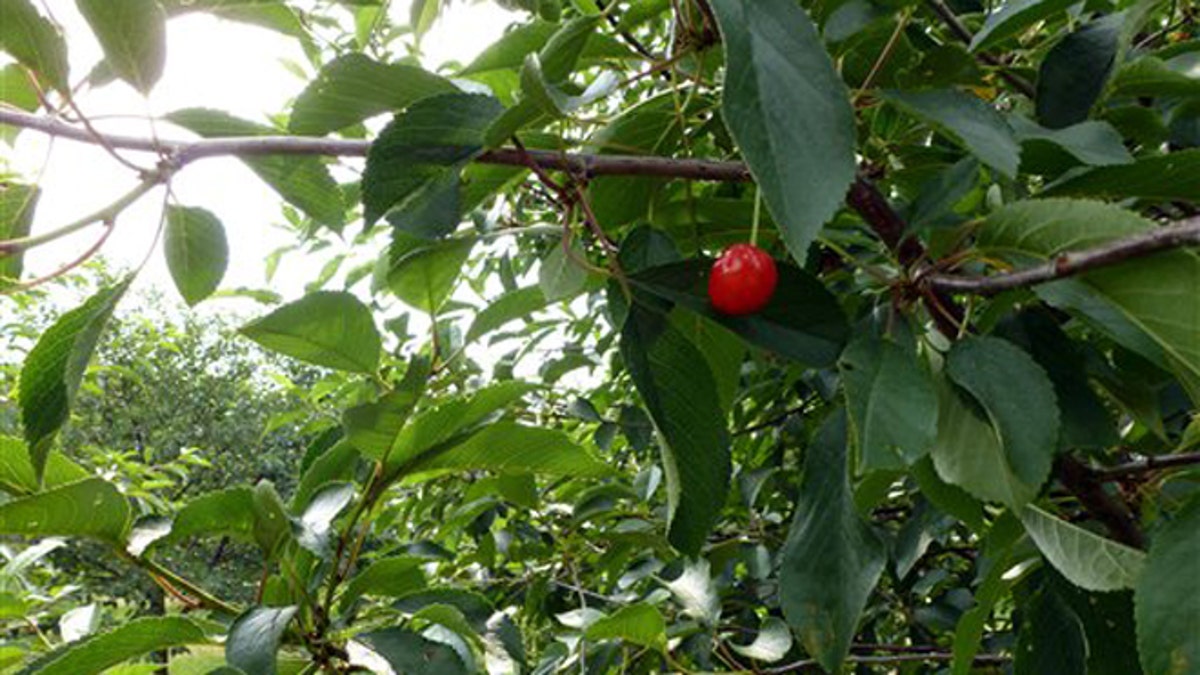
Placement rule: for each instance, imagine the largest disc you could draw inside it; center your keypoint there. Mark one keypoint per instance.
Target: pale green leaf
(91, 508)
(328, 328)
(133, 34)
(1085, 559)
(98, 653)
(196, 250)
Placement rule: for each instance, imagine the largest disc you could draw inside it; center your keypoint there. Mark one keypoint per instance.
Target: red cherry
(743, 280)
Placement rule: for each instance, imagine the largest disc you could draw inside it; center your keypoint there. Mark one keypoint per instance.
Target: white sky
(211, 63)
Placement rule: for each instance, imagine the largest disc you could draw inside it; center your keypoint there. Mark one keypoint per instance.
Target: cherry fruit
(742, 280)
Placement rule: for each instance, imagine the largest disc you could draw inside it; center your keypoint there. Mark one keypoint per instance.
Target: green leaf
(303, 182)
(639, 623)
(1012, 18)
(1086, 423)
(1075, 71)
(389, 577)
(559, 276)
(451, 421)
(723, 350)
(803, 320)
(1151, 295)
(1019, 401)
(1167, 600)
(1085, 559)
(219, 513)
(271, 527)
(16, 471)
(1149, 77)
(680, 393)
(55, 367)
(968, 631)
(91, 508)
(891, 401)
(968, 452)
(425, 276)
(97, 653)
(133, 34)
(512, 306)
(773, 642)
(17, 204)
(1091, 142)
(329, 328)
(353, 87)
(436, 136)
(35, 42)
(339, 463)
(510, 50)
(1050, 638)
(254, 639)
(409, 653)
(315, 525)
(509, 447)
(197, 252)
(969, 121)
(765, 87)
(1169, 177)
(831, 560)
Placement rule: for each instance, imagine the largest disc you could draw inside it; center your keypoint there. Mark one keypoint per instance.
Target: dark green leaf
(891, 401)
(1074, 72)
(681, 395)
(97, 653)
(89, 508)
(1157, 177)
(1019, 401)
(831, 560)
(1167, 599)
(1012, 18)
(303, 182)
(1050, 637)
(436, 136)
(271, 526)
(254, 638)
(197, 252)
(133, 34)
(1091, 142)
(766, 86)
(1086, 422)
(1152, 77)
(55, 367)
(409, 653)
(803, 320)
(389, 577)
(35, 42)
(354, 87)
(967, 119)
(328, 328)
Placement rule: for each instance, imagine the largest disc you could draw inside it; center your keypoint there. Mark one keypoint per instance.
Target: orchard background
(503, 428)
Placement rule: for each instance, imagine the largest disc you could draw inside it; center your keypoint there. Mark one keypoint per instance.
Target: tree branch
(889, 659)
(963, 33)
(1086, 485)
(1149, 464)
(1183, 233)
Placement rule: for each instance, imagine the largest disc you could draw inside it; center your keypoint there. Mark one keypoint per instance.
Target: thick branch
(1179, 234)
(1088, 488)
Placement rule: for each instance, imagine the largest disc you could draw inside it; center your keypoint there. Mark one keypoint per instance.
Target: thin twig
(1149, 464)
(1176, 235)
(963, 33)
(891, 659)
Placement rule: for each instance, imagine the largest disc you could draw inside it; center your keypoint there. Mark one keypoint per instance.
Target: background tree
(959, 436)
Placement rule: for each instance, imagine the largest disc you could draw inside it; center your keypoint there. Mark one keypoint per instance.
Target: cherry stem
(757, 217)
